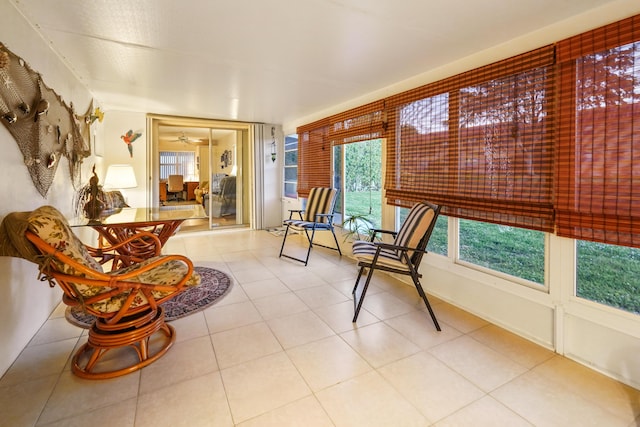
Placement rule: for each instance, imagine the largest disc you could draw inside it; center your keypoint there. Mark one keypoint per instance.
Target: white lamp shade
(120, 176)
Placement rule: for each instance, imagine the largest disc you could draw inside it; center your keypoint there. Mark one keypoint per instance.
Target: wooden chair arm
(119, 282)
(93, 274)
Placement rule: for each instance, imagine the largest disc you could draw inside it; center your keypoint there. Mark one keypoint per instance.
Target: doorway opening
(207, 162)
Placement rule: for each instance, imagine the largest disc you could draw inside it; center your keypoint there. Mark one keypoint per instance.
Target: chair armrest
(319, 216)
(115, 282)
(374, 231)
(390, 246)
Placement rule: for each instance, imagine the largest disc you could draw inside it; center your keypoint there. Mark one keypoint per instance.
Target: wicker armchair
(125, 302)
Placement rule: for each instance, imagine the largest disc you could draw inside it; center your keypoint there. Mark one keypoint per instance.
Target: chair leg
(336, 240)
(313, 234)
(310, 238)
(284, 239)
(357, 301)
(304, 261)
(416, 282)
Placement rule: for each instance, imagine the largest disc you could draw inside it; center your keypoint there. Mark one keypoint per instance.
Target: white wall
(26, 303)
(117, 123)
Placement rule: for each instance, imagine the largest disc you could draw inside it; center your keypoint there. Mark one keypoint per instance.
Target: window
(291, 166)
(609, 275)
(511, 250)
(598, 164)
(178, 163)
(358, 175)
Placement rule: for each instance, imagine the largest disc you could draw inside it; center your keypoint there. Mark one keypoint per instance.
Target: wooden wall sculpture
(44, 126)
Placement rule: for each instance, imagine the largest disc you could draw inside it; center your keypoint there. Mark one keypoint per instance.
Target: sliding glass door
(211, 157)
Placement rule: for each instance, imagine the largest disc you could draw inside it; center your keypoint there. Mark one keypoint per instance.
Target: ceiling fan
(187, 139)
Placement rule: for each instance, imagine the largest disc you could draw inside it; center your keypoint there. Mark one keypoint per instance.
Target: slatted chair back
(320, 201)
(416, 230)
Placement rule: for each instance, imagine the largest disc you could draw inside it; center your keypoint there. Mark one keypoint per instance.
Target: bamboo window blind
(479, 143)
(546, 140)
(598, 169)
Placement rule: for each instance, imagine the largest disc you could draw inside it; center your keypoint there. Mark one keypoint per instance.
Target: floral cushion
(168, 273)
(51, 226)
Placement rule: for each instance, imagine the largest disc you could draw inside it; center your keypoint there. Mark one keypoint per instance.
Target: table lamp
(120, 177)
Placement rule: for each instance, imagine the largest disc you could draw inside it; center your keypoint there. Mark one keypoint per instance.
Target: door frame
(244, 160)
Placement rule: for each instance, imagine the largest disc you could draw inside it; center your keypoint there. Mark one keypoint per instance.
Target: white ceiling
(270, 61)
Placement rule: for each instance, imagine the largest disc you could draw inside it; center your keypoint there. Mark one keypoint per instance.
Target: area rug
(214, 286)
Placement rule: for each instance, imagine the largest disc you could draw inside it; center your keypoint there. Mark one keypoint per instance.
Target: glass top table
(136, 216)
(123, 224)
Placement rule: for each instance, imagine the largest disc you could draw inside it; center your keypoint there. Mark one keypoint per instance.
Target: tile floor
(280, 350)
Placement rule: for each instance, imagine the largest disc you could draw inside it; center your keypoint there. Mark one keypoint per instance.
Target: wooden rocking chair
(125, 302)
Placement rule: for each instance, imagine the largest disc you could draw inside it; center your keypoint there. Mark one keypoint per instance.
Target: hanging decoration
(273, 144)
(128, 139)
(43, 125)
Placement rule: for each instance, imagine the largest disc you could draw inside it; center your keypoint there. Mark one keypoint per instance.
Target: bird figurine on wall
(128, 138)
(96, 115)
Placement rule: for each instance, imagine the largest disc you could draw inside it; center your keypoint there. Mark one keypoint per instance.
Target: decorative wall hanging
(128, 138)
(43, 125)
(225, 159)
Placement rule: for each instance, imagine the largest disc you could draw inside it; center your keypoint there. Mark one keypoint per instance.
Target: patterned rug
(214, 286)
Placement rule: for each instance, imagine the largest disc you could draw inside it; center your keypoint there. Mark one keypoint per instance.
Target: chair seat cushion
(307, 224)
(167, 273)
(365, 251)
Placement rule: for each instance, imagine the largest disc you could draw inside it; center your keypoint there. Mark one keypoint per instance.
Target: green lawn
(511, 250)
(358, 203)
(609, 275)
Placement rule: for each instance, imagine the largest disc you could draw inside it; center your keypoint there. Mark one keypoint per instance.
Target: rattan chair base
(133, 333)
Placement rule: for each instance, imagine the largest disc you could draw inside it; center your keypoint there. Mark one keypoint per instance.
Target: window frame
(341, 203)
(287, 152)
(543, 287)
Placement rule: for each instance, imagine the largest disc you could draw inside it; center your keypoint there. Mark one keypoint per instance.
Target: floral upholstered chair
(125, 302)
